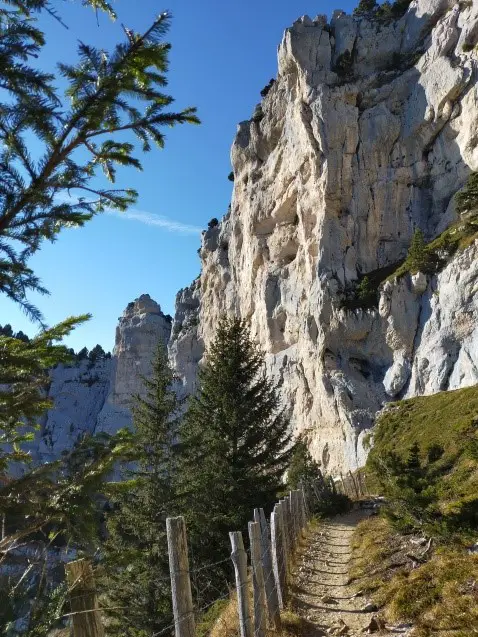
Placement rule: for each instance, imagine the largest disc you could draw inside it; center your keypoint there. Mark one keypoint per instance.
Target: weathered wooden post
(257, 580)
(272, 598)
(294, 495)
(290, 520)
(85, 611)
(279, 554)
(283, 531)
(344, 485)
(184, 624)
(305, 504)
(239, 559)
(357, 493)
(285, 522)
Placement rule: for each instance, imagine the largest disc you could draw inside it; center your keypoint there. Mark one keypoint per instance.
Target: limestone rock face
(92, 397)
(141, 327)
(367, 133)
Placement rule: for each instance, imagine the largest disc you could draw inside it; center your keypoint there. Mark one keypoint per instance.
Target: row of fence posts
(272, 547)
(353, 485)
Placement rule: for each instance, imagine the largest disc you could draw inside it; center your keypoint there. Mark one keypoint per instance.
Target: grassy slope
(445, 427)
(434, 585)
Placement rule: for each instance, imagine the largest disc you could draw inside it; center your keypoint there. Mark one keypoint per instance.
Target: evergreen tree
(80, 132)
(302, 468)
(136, 565)
(418, 258)
(467, 199)
(365, 7)
(234, 449)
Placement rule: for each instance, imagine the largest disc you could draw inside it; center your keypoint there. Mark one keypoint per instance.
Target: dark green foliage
(82, 354)
(135, 564)
(363, 294)
(366, 293)
(235, 447)
(78, 132)
(231, 176)
(302, 468)
(267, 87)
(6, 330)
(212, 223)
(23, 380)
(385, 12)
(97, 353)
(467, 199)
(418, 258)
(258, 114)
(365, 7)
(344, 65)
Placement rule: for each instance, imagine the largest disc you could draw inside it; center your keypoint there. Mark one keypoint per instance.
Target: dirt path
(324, 598)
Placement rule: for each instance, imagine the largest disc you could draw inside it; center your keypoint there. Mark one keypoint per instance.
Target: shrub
(267, 87)
(231, 176)
(365, 7)
(344, 64)
(302, 467)
(467, 199)
(418, 258)
(213, 223)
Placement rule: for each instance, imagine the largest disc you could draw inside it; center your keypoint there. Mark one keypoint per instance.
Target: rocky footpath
(368, 131)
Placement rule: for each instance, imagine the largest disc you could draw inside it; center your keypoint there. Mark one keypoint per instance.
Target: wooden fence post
(257, 580)
(305, 504)
(285, 522)
(278, 554)
(272, 599)
(357, 493)
(239, 559)
(184, 624)
(283, 531)
(290, 520)
(343, 485)
(86, 615)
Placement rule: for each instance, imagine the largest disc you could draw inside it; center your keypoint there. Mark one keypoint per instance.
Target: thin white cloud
(146, 218)
(159, 221)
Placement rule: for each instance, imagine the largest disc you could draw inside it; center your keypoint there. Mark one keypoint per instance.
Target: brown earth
(323, 595)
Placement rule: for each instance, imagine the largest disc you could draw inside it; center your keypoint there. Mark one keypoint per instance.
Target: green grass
(444, 487)
(440, 597)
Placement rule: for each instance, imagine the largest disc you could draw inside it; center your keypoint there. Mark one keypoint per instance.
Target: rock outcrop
(367, 133)
(90, 397)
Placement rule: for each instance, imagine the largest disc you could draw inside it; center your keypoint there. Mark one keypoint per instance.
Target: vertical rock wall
(366, 135)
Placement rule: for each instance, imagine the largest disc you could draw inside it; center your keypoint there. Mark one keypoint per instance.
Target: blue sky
(223, 53)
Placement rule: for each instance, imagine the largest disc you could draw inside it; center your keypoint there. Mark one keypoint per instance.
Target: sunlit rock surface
(367, 133)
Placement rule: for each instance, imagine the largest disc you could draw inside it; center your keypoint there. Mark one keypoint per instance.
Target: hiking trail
(323, 595)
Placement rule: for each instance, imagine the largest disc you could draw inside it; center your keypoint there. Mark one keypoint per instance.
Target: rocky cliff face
(93, 397)
(366, 135)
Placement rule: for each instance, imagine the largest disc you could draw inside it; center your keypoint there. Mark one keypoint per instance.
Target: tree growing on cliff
(418, 258)
(136, 552)
(234, 449)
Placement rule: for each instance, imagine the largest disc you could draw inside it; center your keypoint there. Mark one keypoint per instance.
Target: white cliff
(366, 135)
(92, 397)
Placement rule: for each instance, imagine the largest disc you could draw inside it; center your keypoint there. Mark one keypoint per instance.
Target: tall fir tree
(418, 258)
(136, 571)
(234, 449)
